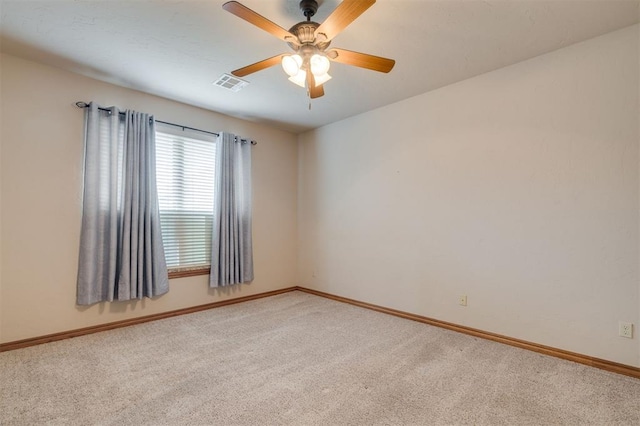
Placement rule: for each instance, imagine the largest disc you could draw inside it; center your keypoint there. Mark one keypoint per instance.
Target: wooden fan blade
(259, 21)
(362, 60)
(314, 91)
(345, 13)
(258, 66)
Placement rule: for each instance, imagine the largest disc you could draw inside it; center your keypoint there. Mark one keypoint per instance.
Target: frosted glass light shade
(321, 79)
(291, 64)
(299, 79)
(319, 65)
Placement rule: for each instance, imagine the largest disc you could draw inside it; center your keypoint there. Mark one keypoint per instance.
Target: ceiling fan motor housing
(305, 32)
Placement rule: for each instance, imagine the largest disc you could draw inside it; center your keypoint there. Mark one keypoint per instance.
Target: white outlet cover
(625, 329)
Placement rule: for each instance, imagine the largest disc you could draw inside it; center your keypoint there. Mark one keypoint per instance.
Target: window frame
(197, 270)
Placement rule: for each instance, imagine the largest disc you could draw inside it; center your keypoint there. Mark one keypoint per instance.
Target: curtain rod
(81, 104)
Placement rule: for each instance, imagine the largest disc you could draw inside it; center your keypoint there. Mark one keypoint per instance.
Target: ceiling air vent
(230, 82)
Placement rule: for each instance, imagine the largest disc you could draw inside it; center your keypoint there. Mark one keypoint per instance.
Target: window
(185, 178)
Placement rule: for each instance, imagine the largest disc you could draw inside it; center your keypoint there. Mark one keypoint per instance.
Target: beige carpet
(304, 360)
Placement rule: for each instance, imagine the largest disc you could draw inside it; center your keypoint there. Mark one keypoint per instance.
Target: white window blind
(185, 178)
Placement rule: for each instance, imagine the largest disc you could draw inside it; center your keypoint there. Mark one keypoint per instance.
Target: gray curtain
(231, 245)
(121, 251)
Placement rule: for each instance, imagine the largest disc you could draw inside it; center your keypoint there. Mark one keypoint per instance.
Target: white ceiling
(176, 49)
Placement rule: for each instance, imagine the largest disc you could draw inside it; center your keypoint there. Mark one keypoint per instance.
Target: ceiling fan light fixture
(291, 64)
(319, 65)
(321, 79)
(300, 79)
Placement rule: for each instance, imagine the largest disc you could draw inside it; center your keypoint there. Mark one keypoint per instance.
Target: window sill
(189, 272)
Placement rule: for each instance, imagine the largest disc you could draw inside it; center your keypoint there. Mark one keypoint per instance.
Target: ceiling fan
(308, 66)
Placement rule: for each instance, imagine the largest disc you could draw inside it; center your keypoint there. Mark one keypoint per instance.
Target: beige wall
(1, 111)
(518, 188)
(41, 164)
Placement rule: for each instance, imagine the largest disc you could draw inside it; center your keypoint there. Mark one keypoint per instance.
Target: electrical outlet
(463, 300)
(625, 329)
